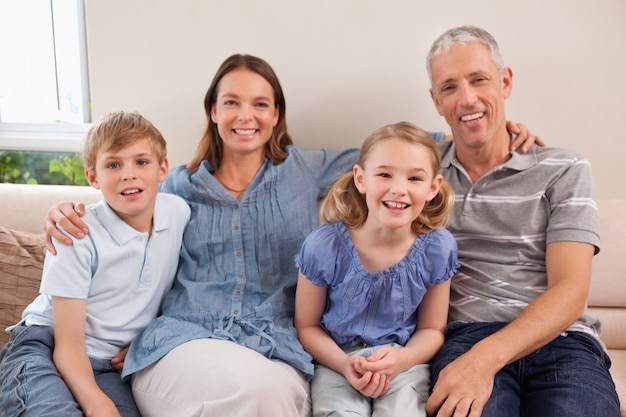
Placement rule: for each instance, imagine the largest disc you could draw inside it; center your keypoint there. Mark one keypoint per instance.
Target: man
(518, 342)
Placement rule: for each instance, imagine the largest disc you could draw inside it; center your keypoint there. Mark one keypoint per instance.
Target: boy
(97, 294)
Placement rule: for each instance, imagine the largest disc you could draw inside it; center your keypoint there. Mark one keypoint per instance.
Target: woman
(225, 343)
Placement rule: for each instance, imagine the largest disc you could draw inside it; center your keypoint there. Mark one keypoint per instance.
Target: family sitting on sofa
(225, 341)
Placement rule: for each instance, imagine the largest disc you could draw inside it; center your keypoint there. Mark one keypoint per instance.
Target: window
(44, 84)
(43, 76)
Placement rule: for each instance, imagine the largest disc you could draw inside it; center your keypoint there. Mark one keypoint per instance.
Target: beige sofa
(22, 209)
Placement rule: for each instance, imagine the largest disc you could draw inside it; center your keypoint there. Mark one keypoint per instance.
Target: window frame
(55, 137)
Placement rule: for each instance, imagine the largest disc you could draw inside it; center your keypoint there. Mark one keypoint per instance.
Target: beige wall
(350, 66)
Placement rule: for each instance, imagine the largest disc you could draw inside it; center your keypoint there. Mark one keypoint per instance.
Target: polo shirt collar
(517, 162)
(120, 231)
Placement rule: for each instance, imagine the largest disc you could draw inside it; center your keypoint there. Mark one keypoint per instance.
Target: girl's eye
(384, 175)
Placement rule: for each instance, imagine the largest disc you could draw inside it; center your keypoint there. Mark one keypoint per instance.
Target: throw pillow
(21, 265)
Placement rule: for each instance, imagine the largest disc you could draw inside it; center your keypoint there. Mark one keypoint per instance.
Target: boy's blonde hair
(344, 202)
(118, 130)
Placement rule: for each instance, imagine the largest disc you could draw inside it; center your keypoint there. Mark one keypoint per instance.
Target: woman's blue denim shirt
(237, 274)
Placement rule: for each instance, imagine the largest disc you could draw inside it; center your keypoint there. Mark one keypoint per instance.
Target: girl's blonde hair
(344, 203)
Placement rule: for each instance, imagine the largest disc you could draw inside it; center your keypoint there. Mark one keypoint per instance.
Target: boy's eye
(113, 165)
(142, 162)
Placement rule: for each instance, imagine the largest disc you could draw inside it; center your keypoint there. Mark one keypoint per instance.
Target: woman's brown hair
(210, 146)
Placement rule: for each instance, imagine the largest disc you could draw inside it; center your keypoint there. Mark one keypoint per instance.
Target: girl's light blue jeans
(30, 384)
(332, 394)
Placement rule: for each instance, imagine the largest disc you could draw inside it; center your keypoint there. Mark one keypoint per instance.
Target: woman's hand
(524, 137)
(67, 215)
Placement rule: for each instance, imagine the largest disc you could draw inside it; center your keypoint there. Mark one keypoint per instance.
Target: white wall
(350, 66)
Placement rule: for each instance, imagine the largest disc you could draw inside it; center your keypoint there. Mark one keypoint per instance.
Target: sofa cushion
(21, 263)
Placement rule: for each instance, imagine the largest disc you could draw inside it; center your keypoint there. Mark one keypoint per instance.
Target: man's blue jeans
(569, 377)
(30, 384)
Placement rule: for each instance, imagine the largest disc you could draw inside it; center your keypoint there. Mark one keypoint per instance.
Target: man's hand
(67, 215)
(462, 389)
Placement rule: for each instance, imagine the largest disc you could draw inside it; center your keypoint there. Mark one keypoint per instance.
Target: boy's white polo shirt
(124, 274)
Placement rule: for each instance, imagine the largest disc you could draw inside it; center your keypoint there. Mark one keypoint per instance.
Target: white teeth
(245, 131)
(129, 192)
(474, 116)
(393, 204)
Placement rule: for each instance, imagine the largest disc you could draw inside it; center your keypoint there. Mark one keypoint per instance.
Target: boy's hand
(118, 360)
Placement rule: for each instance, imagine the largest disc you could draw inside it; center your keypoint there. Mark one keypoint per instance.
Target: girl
(373, 289)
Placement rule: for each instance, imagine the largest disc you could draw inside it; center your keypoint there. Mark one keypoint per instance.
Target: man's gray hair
(464, 35)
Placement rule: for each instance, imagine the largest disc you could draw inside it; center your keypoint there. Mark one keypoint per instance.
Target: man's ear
(359, 178)
(507, 82)
(435, 99)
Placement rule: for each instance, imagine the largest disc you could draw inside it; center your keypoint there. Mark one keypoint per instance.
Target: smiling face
(397, 179)
(129, 179)
(469, 92)
(244, 112)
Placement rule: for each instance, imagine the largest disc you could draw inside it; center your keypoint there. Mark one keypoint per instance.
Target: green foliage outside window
(32, 167)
